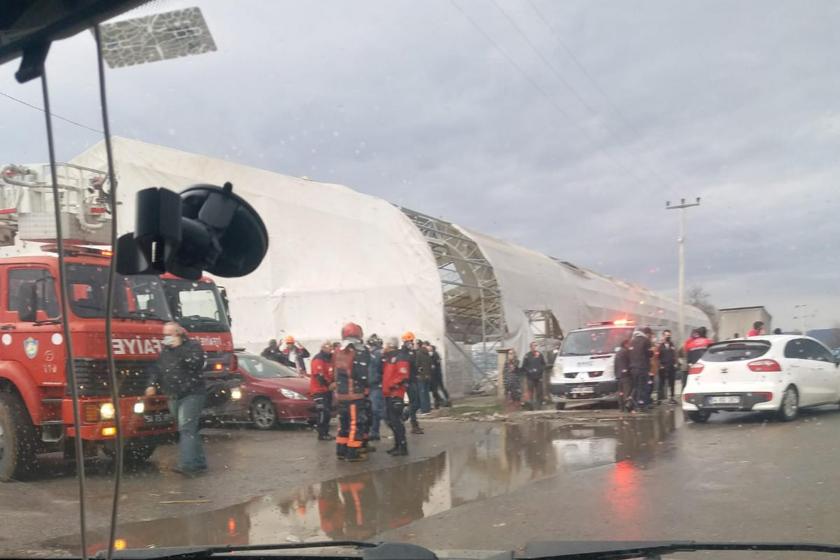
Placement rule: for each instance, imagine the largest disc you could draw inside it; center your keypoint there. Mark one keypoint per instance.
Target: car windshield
(263, 368)
(594, 341)
(136, 297)
(736, 351)
(196, 305)
(375, 259)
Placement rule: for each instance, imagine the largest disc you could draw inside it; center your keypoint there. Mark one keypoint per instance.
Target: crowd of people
(643, 365)
(369, 381)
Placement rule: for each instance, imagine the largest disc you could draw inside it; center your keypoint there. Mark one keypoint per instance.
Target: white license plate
(582, 390)
(158, 418)
(724, 400)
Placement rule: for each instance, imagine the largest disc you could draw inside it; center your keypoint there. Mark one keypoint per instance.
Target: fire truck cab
(35, 403)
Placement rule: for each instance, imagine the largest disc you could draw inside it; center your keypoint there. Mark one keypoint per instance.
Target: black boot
(402, 450)
(341, 451)
(354, 455)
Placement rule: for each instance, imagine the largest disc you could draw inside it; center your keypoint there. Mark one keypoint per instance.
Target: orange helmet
(351, 330)
(289, 339)
(407, 336)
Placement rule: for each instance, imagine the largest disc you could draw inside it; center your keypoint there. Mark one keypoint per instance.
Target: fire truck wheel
(18, 439)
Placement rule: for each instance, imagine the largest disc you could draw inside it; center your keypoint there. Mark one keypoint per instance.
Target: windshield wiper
(200, 552)
(139, 314)
(599, 550)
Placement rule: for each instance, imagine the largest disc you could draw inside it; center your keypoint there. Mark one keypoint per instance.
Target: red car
(271, 394)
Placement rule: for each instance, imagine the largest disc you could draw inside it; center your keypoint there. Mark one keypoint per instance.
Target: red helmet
(351, 330)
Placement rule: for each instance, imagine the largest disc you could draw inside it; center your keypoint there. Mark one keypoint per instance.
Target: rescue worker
(413, 383)
(694, 348)
(294, 354)
(351, 367)
(640, 354)
(321, 385)
(377, 401)
(272, 352)
(757, 330)
(437, 379)
(424, 377)
(533, 366)
(625, 378)
(511, 380)
(179, 374)
(667, 367)
(396, 370)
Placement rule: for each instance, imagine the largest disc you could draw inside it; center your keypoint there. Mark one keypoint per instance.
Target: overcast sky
(563, 126)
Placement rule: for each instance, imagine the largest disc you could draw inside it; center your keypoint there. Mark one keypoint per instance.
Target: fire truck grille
(93, 380)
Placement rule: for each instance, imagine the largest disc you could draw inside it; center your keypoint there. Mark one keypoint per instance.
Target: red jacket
(695, 347)
(395, 372)
(322, 373)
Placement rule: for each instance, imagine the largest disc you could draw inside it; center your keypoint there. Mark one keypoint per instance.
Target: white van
(584, 369)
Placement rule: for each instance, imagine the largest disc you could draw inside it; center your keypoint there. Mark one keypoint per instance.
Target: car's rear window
(736, 351)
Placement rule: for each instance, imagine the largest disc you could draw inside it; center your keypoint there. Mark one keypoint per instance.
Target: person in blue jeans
(377, 401)
(179, 374)
(424, 376)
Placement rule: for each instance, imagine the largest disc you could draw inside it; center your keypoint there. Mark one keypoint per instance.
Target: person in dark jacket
(410, 355)
(533, 366)
(179, 374)
(624, 377)
(377, 400)
(272, 352)
(667, 367)
(437, 379)
(321, 385)
(395, 372)
(640, 353)
(424, 376)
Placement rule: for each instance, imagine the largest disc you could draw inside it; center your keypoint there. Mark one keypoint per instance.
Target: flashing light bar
(616, 323)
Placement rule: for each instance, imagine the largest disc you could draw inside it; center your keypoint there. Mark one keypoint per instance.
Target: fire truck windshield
(137, 297)
(196, 305)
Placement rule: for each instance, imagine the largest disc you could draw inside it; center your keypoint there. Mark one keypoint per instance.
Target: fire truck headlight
(139, 408)
(236, 393)
(106, 411)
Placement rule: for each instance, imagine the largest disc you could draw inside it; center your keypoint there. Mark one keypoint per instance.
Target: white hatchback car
(779, 373)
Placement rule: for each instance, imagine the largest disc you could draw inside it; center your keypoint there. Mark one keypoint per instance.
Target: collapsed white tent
(337, 255)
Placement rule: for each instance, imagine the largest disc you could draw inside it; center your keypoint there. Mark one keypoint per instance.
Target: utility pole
(681, 250)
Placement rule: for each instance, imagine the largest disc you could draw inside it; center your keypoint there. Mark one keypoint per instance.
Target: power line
(59, 117)
(576, 61)
(540, 89)
(560, 77)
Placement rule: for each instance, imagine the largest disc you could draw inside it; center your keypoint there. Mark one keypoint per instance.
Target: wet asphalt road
(466, 485)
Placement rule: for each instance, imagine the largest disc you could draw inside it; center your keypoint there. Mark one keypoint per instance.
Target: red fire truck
(35, 404)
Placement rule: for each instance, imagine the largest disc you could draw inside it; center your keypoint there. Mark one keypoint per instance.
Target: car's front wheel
(698, 416)
(263, 414)
(789, 408)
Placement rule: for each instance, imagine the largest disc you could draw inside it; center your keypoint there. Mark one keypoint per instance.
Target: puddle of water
(361, 506)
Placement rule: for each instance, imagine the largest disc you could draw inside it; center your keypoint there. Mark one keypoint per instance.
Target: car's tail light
(764, 366)
(596, 373)
(763, 396)
(695, 368)
(687, 397)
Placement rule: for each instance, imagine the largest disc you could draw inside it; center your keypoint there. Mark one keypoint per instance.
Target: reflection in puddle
(361, 506)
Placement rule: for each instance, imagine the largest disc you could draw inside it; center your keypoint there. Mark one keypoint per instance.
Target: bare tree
(700, 298)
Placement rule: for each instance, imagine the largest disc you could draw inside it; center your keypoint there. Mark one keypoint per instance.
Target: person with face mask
(179, 374)
(667, 367)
